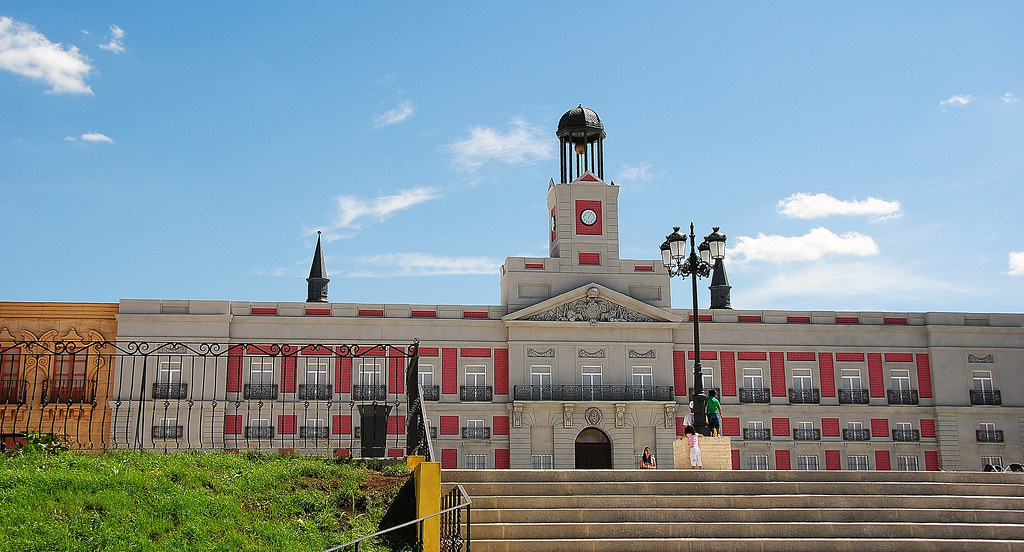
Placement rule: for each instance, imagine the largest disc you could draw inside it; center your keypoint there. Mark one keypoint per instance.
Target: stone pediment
(592, 303)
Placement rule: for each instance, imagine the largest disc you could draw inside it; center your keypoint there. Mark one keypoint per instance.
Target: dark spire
(720, 288)
(317, 281)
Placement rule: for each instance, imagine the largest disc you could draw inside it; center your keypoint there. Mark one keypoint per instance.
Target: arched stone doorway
(593, 450)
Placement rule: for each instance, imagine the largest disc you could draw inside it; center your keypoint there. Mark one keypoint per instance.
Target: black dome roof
(580, 120)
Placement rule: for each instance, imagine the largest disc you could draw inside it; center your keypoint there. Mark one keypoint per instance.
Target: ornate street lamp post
(679, 263)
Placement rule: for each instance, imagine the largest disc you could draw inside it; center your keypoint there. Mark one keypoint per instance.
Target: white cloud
(1016, 263)
(403, 111)
(807, 206)
(1009, 98)
(634, 172)
(957, 100)
(28, 53)
(91, 137)
(523, 143)
(421, 264)
(352, 210)
(116, 43)
(813, 245)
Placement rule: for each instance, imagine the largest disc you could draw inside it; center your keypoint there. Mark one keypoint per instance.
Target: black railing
(901, 396)
(369, 393)
(985, 397)
(906, 435)
(168, 431)
(68, 392)
(689, 391)
(593, 393)
(170, 390)
(315, 392)
(13, 391)
(856, 434)
(989, 435)
(431, 392)
(755, 395)
(854, 396)
(804, 396)
(259, 432)
(264, 391)
(806, 434)
(476, 433)
(476, 393)
(757, 434)
(314, 432)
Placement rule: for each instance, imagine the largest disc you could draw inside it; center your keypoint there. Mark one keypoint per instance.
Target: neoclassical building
(582, 364)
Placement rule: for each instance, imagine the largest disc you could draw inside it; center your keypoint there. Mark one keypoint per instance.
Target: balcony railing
(259, 432)
(259, 391)
(369, 393)
(854, 396)
(856, 434)
(431, 393)
(314, 432)
(755, 395)
(989, 435)
(68, 392)
(476, 433)
(13, 391)
(757, 434)
(904, 396)
(315, 392)
(168, 431)
(170, 390)
(689, 391)
(593, 393)
(985, 397)
(806, 434)
(906, 435)
(476, 393)
(804, 396)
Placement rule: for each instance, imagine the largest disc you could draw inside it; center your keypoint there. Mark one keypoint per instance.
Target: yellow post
(427, 481)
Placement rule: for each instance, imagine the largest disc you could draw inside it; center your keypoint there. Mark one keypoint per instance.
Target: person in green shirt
(714, 414)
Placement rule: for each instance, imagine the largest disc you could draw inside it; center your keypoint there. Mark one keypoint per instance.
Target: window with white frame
(756, 425)
(987, 427)
(259, 428)
(317, 370)
(757, 461)
(166, 428)
(707, 378)
(805, 426)
(592, 383)
(857, 462)
(370, 372)
(991, 461)
(982, 380)
(643, 383)
(426, 374)
(542, 461)
(540, 382)
(169, 371)
(261, 370)
(753, 378)
(906, 463)
(802, 379)
(476, 461)
(804, 462)
(850, 379)
(855, 426)
(899, 380)
(476, 376)
(904, 426)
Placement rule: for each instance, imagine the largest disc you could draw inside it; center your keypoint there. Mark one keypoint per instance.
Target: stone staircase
(711, 510)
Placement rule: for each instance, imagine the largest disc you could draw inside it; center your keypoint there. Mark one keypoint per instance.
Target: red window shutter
(728, 368)
(341, 424)
(288, 374)
(882, 460)
(232, 424)
(341, 453)
(449, 370)
(449, 425)
(924, 376)
(343, 376)
(830, 427)
(396, 372)
(751, 355)
(501, 459)
(735, 459)
(849, 357)
(875, 375)
(879, 428)
(501, 371)
(679, 372)
(730, 427)
(286, 424)
(449, 459)
(927, 427)
(782, 460)
(475, 352)
(396, 425)
(931, 460)
(777, 365)
(780, 428)
(826, 375)
(429, 352)
(899, 357)
(680, 426)
(396, 453)
(499, 425)
(832, 460)
(234, 369)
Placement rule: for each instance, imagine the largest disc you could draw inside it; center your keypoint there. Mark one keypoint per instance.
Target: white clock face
(588, 217)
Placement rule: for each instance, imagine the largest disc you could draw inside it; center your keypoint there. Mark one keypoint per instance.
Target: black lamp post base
(700, 416)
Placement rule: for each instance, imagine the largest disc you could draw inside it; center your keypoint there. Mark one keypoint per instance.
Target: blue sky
(865, 156)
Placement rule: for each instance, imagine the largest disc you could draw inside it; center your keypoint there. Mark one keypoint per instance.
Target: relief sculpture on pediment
(591, 309)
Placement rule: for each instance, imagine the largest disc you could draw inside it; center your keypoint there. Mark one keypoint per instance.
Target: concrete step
(752, 545)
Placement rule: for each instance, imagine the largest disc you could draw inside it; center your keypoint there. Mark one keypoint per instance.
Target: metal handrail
(462, 494)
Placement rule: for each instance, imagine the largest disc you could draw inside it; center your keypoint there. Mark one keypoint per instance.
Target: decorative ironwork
(637, 354)
(755, 395)
(906, 435)
(431, 392)
(989, 435)
(981, 359)
(593, 393)
(757, 434)
(369, 392)
(476, 433)
(583, 353)
(806, 434)
(314, 432)
(452, 505)
(315, 392)
(592, 416)
(68, 392)
(170, 390)
(13, 391)
(904, 396)
(804, 396)
(545, 353)
(856, 434)
(854, 396)
(259, 432)
(168, 431)
(253, 391)
(476, 393)
(986, 397)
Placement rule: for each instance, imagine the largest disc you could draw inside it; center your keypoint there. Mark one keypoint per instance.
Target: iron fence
(804, 396)
(902, 396)
(986, 397)
(755, 395)
(854, 396)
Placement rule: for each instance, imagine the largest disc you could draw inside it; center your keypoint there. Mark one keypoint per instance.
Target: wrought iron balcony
(856, 434)
(806, 434)
(369, 393)
(168, 431)
(13, 391)
(906, 435)
(757, 434)
(431, 392)
(755, 395)
(804, 396)
(689, 391)
(854, 396)
(314, 432)
(593, 393)
(476, 393)
(905, 396)
(989, 435)
(260, 432)
(68, 392)
(476, 433)
(259, 391)
(315, 392)
(985, 397)
(170, 390)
